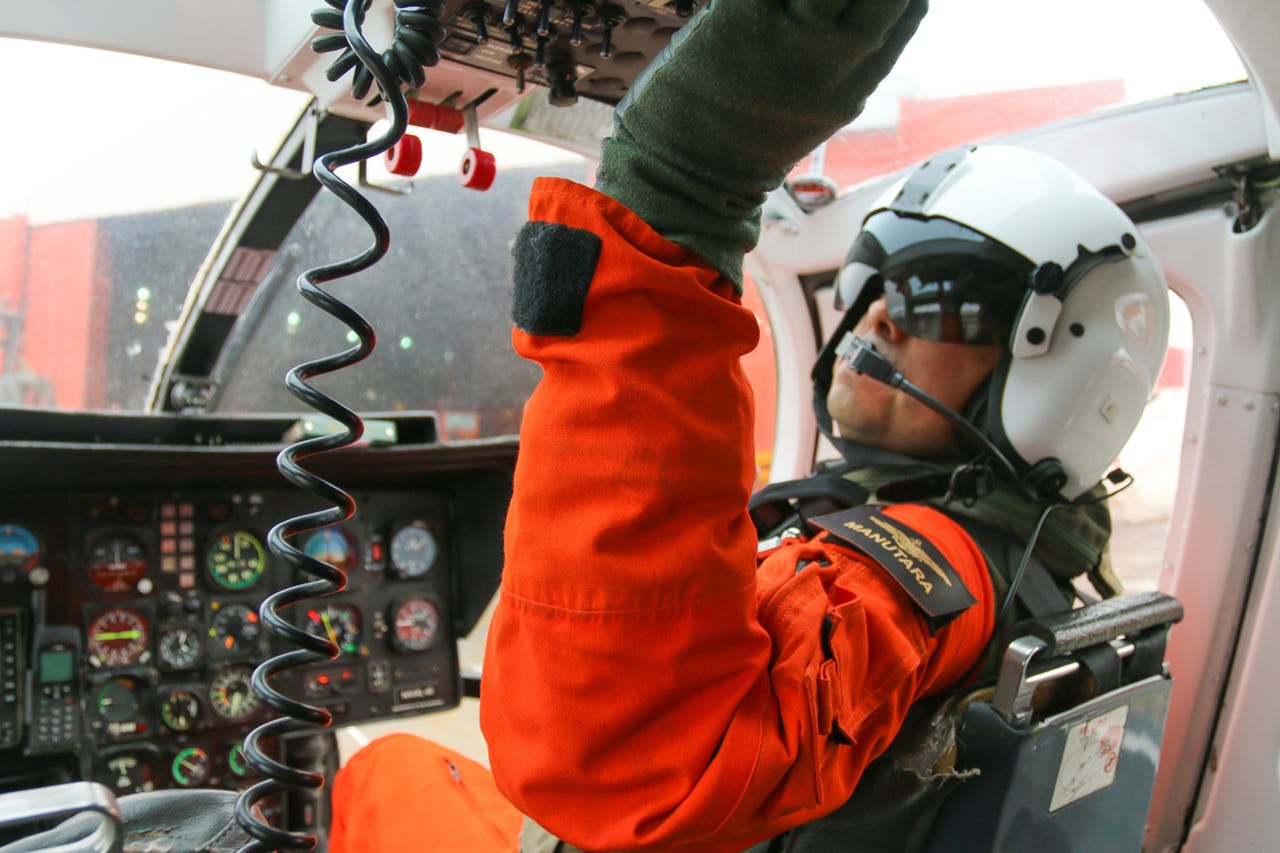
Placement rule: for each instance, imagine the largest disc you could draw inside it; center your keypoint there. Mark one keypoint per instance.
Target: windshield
(110, 204)
(439, 302)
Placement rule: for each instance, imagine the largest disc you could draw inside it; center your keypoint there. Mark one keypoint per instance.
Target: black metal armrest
(1085, 637)
(1123, 615)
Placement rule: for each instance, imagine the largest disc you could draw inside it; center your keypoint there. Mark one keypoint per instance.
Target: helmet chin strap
(863, 358)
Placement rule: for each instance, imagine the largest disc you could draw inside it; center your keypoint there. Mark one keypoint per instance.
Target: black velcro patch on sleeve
(552, 267)
(910, 559)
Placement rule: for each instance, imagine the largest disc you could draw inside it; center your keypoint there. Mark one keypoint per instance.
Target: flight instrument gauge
(117, 562)
(236, 559)
(338, 623)
(335, 546)
(128, 773)
(237, 763)
(180, 710)
(119, 703)
(190, 767)
(230, 695)
(118, 637)
(415, 621)
(180, 648)
(413, 550)
(235, 629)
(19, 549)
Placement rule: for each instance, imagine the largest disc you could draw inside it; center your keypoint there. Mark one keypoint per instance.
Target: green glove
(744, 91)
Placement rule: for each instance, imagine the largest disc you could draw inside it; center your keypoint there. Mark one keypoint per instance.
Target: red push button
(405, 156)
(478, 169)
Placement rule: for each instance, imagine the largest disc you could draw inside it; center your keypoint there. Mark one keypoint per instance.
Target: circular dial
(118, 637)
(180, 710)
(231, 696)
(117, 562)
(128, 773)
(180, 648)
(413, 550)
(416, 622)
(119, 700)
(339, 623)
(236, 761)
(335, 546)
(235, 629)
(190, 767)
(19, 548)
(236, 559)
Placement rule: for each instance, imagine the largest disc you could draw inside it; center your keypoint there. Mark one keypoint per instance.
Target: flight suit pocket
(860, 675)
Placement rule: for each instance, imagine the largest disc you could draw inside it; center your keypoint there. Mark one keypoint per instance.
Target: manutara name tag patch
(908, 557)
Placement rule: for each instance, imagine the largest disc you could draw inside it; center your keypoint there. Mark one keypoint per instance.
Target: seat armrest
(1105, 620)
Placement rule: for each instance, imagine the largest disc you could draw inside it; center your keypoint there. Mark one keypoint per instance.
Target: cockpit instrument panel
(164, 588)
(129, 615)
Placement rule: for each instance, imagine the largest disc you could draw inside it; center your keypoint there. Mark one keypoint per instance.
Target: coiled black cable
(414, 46)
(418, 31)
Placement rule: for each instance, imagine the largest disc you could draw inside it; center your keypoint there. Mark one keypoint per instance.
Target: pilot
(674, 665)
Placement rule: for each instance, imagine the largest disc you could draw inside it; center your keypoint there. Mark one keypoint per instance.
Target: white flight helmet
(997, 244)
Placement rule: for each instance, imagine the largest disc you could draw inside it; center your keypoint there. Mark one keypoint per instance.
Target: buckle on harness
(969, 484)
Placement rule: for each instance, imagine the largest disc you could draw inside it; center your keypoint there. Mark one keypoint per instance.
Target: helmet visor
(941, 280)
(954, 300)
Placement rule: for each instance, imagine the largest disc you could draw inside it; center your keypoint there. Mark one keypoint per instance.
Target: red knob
(405, 156)
(478, 169)
(435, 116)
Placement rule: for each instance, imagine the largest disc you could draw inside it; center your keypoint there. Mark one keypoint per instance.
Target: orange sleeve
(644, 687)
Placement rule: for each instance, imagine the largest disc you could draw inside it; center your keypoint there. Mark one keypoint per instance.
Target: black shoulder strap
(779, 505)
(823, 493)
(1038, 594)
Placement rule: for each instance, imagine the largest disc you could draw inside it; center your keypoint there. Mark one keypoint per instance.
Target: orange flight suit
(648, 683)
(404, 794)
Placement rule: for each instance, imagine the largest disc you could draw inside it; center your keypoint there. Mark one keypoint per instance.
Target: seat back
(1062, 757)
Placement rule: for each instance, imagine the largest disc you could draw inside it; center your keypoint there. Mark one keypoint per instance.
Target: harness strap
(780, 503)
(1038, 593)
(798, 502)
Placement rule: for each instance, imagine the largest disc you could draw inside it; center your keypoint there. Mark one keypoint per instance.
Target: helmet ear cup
(1081, 399)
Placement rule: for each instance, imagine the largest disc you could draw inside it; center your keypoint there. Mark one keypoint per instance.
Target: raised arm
(645, 686)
